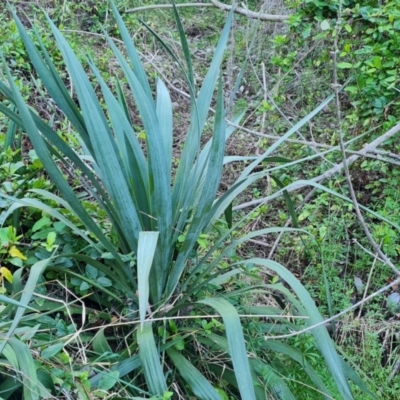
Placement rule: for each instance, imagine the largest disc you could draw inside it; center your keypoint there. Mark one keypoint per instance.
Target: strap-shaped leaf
(51, 79)
(324, 342)
(202, 269)
(183, 183)
(164, 114)
(133, 54)
(105, 151)
(296, 355)
(145, 255)
(19, 355)
(199, 385)
(151, 360)
(277, 386)
(160, 198)
(8, 300)
(34, 274)
(208, 193)
(135, 164)
(237, 347)
(51, 168)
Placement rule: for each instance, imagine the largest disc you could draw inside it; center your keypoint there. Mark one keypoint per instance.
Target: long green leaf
(133, 54)
(145, 255)
(277, 387)
(135, 164)
(324, 342)
(25, 365)
(183, 183)
(107, 156)
(51, 168)
(8, 300)
(198, 273)
(160, 198)
(208, 194)
(151, 360)
(164, 114)
(295, 354)
(51, 79)
(200, 386)
(34, 274)
(237, 348)
(62, 146)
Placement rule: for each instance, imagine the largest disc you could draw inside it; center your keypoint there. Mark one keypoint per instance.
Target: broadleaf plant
(158, 214)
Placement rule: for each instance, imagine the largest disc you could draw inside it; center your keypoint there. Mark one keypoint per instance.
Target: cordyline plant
(158, 214)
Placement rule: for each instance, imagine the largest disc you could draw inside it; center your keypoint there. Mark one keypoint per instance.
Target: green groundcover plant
(158, 213)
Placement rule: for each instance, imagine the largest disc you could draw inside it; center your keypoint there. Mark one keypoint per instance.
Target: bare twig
(325, 321)
(368, 283)
(395, 370)
(221, 6)
(159, 6)
(353, 196)
(335, 169)
(379, 153)
(259, 242)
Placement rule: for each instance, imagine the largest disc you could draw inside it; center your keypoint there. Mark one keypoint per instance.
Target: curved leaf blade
(237, 348)
(200, 386)
(324, 342)
(145, 255)
(151, 360)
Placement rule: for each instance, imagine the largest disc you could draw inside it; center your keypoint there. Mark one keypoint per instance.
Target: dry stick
(221, 6)
(375, 256)
(264, 86)
(156, 6)
(394, 371)
(360, 217)
(387, 154)
(368, 283)
(337, 168)
(325, 321)
(325, 146)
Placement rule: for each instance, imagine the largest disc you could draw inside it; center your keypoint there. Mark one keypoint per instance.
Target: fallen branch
(215, 3)
(156, 6)
(324, 322)
(381, 155)
(336, 168)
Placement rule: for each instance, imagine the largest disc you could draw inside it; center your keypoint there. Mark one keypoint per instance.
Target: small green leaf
(325, 25)
(348, 28)
(51, 238)
(222, 393)
(43, 222)
(103, 281)
(91, 272)
(108, 380)
(344, 65)
(52, 350)
(306, 32)
(84, 286)
(180, 345)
